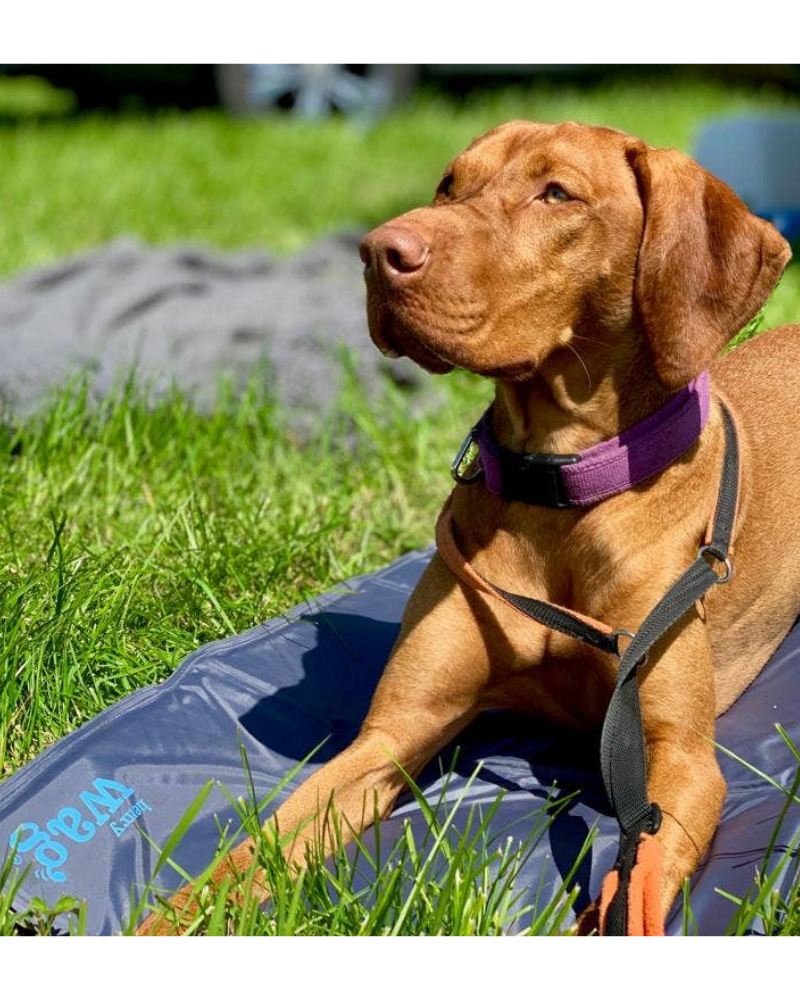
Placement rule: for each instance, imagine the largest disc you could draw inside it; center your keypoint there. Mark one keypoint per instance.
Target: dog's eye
(554, 194)
(445, 189)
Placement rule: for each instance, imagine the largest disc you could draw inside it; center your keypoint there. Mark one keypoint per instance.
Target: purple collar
(590, 476)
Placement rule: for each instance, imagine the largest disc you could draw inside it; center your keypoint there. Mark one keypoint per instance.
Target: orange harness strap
(460, 566)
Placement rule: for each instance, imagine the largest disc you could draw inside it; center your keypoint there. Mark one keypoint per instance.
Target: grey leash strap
(622, 746)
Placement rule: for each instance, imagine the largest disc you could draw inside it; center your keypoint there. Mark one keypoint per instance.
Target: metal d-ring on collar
(529, 477)
(455, 466)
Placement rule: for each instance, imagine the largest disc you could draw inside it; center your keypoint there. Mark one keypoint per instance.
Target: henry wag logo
(71, 825)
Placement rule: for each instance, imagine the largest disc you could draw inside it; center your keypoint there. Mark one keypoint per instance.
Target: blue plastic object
(78, 812)
(759, 158)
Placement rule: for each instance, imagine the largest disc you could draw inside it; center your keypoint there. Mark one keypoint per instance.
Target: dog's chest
(570, 684)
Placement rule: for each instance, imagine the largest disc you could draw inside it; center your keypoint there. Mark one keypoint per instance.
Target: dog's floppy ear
(706, 263)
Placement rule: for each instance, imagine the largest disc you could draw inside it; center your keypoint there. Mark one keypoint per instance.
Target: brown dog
(590, 276)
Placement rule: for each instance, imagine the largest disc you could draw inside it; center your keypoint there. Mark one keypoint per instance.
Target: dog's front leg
(684, 778)
(676, 690)
(432, 686)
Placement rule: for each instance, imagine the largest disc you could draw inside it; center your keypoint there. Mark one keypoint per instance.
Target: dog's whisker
(589, 340)
(583, 364)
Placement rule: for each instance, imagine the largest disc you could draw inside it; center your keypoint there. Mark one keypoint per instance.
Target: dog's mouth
(397, 335)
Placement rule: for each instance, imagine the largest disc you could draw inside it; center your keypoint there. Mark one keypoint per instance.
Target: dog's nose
(397, 251)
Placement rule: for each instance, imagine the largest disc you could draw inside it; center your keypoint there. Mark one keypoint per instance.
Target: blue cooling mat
(284, 687)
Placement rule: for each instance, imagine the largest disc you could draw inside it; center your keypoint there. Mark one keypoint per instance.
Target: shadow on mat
(529, 759)
(340, 674)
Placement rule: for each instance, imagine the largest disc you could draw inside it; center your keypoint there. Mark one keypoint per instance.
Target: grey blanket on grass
(185, 315)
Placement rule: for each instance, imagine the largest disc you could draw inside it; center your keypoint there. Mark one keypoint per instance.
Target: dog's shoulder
(767, 364)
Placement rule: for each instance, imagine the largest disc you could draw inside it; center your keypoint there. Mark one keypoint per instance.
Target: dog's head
(541, 233)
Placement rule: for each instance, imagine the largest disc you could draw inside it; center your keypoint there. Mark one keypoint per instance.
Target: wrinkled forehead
(532, 148)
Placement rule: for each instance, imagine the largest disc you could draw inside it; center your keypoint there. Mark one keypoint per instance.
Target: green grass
(133, 530)
(73, 182)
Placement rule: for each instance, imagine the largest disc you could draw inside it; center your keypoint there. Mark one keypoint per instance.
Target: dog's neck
(573, 403)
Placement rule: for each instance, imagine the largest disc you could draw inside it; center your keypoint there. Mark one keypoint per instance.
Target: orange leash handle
(644, 917)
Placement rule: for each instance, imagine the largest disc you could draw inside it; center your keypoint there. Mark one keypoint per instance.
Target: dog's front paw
(588, 922)
(188, 909)
(173, 917)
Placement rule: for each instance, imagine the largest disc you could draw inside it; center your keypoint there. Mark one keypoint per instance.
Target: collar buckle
(533, 478)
